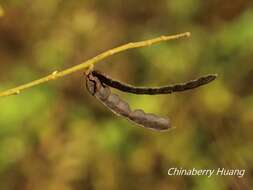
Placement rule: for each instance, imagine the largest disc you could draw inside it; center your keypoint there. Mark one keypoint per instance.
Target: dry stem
(89, 63)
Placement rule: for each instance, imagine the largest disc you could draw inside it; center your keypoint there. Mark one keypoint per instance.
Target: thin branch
(89, 63)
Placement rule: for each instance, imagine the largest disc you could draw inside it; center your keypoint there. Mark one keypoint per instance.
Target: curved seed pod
(156, 90)
(121, 108)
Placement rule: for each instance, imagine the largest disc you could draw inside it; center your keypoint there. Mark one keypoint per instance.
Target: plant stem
(89, 63)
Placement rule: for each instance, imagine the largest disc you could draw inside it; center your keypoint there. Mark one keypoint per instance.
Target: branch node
(17, 92)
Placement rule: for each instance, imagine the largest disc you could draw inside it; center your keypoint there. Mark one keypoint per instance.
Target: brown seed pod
(120, 107)
(180, 87)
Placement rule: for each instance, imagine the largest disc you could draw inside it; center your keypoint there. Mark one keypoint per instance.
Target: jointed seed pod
(155, 90)
(97, 82)
(118, 106)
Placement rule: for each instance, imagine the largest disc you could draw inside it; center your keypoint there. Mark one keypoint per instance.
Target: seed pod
(121, 108)
(154, 90)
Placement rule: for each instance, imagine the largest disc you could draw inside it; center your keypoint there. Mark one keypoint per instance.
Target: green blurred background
(56, 136)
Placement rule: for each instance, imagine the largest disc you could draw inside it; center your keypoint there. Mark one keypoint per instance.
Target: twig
(89, 63)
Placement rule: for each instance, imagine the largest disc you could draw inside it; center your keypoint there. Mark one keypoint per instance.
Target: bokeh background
(56, 136)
